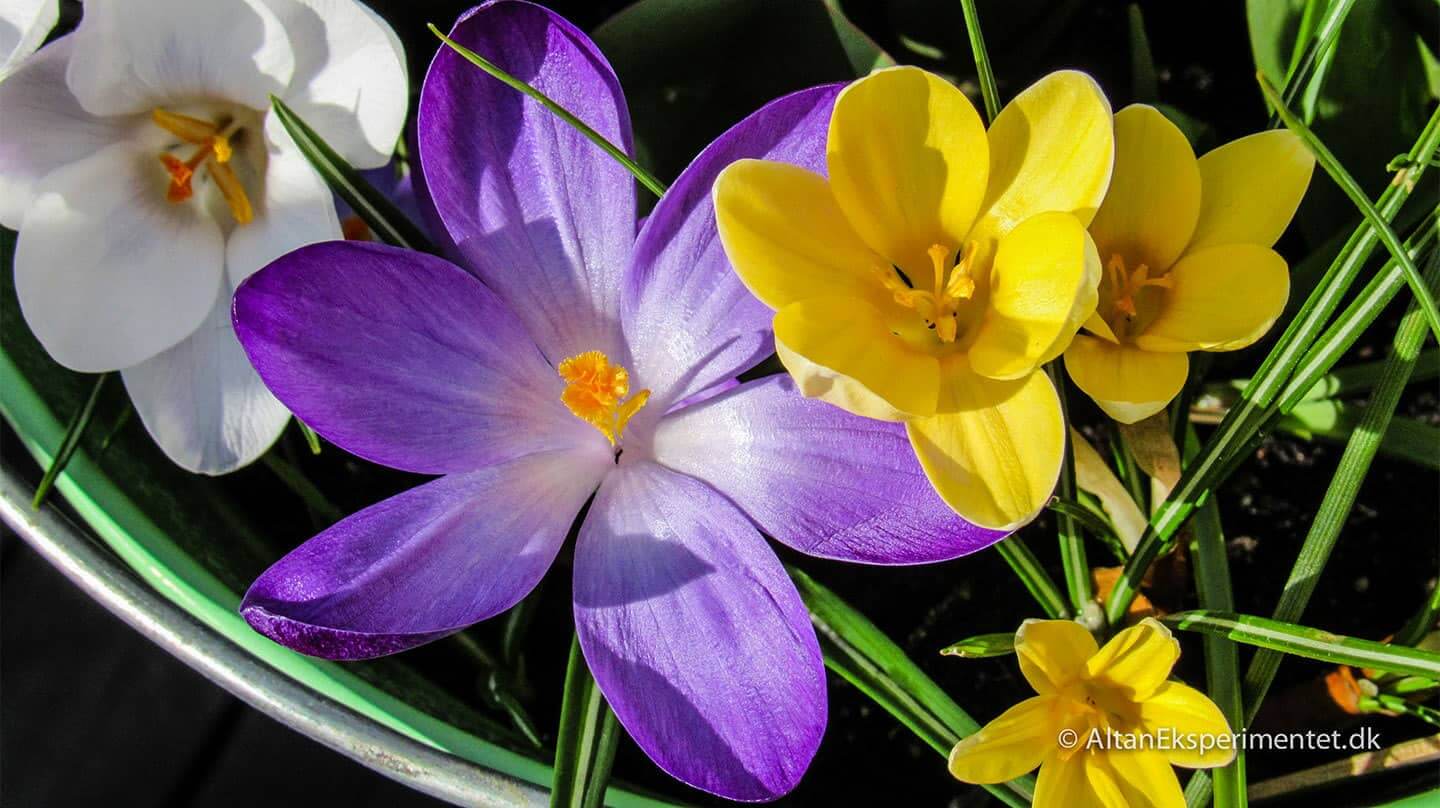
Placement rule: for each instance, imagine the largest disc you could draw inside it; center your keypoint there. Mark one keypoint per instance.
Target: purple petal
(689, 320)
(539, 213)
(817, 478)
(425, 563)
(696, 636)
(402, 358)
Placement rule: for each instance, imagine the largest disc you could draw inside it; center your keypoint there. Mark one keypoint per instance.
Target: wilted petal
(696, 636)
(349, 83)
(425, 563)
(688, 318)
(107, 272)
(202, 401)
(135, 55)
(811, 475)
(541, 214)
(402, 358)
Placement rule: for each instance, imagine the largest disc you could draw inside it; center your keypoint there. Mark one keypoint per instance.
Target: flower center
(954, 284)
(213, 153)
(596, 390)
(1125, 286)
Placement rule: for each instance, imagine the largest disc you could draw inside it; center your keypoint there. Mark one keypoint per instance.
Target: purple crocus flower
(692, 629)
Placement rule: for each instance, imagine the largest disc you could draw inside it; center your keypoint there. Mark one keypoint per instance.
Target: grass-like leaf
(861, 654)
(585, 748)
(384, 219)
(982, 646)
(983, 74)
(1036, 580)
(73, 433)
(1280, 637)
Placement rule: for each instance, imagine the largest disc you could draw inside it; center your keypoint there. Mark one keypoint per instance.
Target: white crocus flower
(23, 26)
(147, 178)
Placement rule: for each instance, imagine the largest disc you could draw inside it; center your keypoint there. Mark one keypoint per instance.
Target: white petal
(134, 55)
(107, 272)
(296, 209)
(203, 403)
(43, 127)
(349, 81)
(23, 26)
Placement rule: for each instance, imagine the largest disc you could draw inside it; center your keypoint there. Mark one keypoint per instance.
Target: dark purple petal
(817, 478)
(539, 213)
(401, 358)
(689, 320)
(425, 563)
(696, 636)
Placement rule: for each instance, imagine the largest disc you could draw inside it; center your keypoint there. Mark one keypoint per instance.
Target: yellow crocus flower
(934, 269)
(1188, 265)
(1107, 725)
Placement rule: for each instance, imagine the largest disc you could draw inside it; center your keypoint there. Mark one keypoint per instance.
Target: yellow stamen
(937, 308)
(1128, 284)
(215, 153)
(595, 393)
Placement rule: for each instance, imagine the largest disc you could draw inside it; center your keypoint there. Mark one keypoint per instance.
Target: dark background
(92, 714)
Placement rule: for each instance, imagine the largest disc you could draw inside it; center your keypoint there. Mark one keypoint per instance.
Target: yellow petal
(1063, 783)
(1051, 148)
(1096, 325)
(1094, 475)
(840, 349)
(1052, 653)
(1042, 288)
(1136, 661)
(1128, 383)
(1011, 745)
(1250, 188)
(1138, 779)
(908, 158)
(1222, 298)
(1150, 211)
(993, 452)
(786, 236)
(1184, 710)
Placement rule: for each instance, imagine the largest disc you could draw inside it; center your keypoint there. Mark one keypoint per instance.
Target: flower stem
(1324, 37)
(1036, 579)
(645, 177)
(983, 73)
(1072, 542)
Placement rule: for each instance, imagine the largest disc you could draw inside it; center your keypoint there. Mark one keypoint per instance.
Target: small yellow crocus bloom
(935, 269)
(1188, 265)
(1107, 725)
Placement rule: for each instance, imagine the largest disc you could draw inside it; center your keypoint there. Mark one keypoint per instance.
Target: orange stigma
(595, 393)
(214, 154)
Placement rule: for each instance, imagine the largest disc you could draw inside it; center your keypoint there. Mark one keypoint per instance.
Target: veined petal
(539, 213)
(109, 274)
(1052, 653)
(1141, 778)
(815, 477)
(1130, 384)
(404, 359)
(1063, 783)
(994, 449)
(688, 319)
(203, 403)
(841, 350)
(1250, 188)
(908, 162)
(133, 56)
(1043, 286)
(296, 209)
(1150, 211)
(696, 636)
(1016, 742)
(1051, 149)
(1137, 660)
(43, 127)
(349, 83)
(1180, 708)
(425, 563)
(1223, 298)
(787, 238)
(23, 26)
